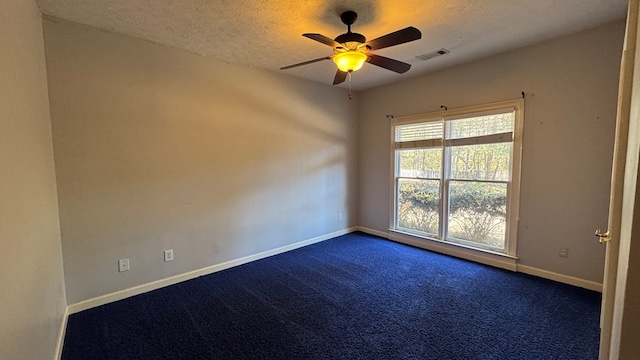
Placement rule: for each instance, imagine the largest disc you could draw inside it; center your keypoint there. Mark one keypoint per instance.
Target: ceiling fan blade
(395, 38)
(305, 63)
(341, 76)
(389, 64)
(323, 39)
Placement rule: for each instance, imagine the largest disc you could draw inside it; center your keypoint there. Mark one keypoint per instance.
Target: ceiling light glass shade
(350, 60)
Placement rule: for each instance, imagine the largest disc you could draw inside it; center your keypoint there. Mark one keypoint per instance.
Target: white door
(611, 236)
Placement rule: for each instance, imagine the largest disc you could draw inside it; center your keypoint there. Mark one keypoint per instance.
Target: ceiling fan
(351, 50)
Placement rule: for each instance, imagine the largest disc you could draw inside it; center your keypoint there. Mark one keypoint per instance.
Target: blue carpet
(351, 297)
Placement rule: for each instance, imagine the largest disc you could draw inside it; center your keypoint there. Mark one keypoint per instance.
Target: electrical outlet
(123, 265)
(168, 255)
(339, 216)
(564, 252)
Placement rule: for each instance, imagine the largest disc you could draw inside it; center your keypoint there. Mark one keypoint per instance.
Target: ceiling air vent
(431, 55)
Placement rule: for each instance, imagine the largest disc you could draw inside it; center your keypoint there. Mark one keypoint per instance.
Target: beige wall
(571, 85)
(158, 148)
(31, 277)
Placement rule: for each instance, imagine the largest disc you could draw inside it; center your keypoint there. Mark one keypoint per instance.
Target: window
(456, 176)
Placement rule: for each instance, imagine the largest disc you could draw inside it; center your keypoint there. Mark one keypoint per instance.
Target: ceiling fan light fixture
(351, 50)
(351, 60)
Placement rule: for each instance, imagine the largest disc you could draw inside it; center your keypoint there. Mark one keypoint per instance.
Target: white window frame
(513, 183)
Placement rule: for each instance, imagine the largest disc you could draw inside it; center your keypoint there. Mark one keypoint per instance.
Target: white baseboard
(382, 234)
(566, 279)
(136, 290)
(63, 330)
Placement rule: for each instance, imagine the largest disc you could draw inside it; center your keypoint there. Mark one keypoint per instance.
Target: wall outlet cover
(123, 265)
(168, 255)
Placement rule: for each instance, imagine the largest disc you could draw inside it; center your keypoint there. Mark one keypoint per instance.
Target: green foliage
(477, 210)
(478, 198)
(421, 193)
(418, 205)
(467, 196)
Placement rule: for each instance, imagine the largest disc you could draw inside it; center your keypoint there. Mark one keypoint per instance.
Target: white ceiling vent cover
(431, 55)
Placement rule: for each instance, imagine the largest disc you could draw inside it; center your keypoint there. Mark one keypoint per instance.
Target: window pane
(477, 212)
(422, 131)
(479, 126)
(481, 162)
(418, 202)
(424, 163)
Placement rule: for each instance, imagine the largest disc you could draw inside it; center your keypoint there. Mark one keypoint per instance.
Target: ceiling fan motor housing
(351, 37)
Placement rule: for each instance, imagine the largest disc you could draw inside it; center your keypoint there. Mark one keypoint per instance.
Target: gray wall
(31, 277)
(158, 148)
(571, 85)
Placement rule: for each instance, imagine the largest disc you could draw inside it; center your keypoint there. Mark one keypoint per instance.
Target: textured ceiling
(267, 33)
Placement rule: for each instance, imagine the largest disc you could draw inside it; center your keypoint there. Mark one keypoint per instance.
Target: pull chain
(349, 75)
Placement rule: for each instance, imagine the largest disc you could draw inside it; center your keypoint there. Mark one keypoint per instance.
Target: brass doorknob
(603, 236)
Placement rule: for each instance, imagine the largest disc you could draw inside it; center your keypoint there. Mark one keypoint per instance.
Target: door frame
(623, 194)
